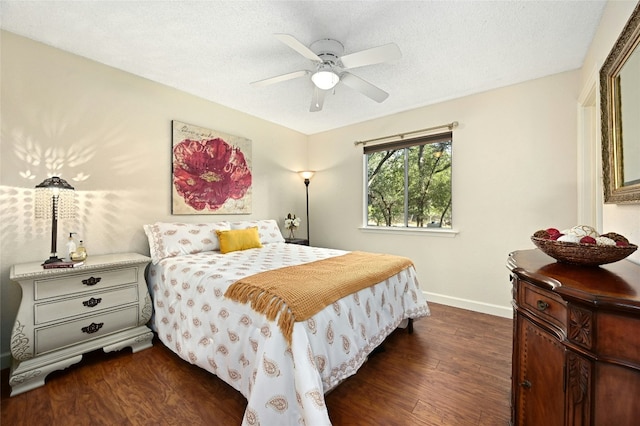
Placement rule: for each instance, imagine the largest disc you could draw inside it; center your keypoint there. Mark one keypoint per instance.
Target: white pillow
(175, 239)
(267, 229)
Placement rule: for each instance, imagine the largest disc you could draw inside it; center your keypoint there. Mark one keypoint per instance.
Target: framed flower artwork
(211, 171)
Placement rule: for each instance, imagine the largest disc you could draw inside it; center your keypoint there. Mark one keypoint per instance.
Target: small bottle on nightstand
(71, 246)
(80, 253)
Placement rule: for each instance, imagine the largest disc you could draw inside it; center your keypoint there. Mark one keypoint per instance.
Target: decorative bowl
(583, 254)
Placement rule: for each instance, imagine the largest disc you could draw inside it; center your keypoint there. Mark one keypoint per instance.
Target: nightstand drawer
(80, 330)
(83, 282)
(546, 305)
(85, 304)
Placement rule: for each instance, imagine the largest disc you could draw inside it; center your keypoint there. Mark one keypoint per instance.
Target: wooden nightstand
(299, 241)
(65, 313)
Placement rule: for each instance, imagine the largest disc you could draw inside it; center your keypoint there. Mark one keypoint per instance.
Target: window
(408, 182)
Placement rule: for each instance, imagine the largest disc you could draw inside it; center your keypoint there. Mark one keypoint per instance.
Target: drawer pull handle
(91, 303)
(91, 281)
(93, 328)
(526, 384)
(542, 305)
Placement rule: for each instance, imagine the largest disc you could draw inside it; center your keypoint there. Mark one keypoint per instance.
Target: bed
(284, 377)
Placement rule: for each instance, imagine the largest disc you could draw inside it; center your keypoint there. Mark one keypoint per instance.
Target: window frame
(402, 144)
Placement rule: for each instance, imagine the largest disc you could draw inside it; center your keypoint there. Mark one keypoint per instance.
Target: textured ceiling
(214, 49)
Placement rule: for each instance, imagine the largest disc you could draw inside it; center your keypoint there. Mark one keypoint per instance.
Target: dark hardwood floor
(453, 370)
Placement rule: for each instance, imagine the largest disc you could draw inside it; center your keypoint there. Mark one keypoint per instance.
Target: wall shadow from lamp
(307, 175)
(97, 220)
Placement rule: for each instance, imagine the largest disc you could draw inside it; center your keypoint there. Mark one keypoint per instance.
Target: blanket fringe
(268, 304)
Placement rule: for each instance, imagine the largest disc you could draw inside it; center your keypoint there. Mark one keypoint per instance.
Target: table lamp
(54, 199)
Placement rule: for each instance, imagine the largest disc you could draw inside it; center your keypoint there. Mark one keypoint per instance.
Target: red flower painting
(207, 173)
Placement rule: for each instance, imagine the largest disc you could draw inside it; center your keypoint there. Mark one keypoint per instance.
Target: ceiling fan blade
(364, 87)
(317, 100)
(279, 78)
(293, 43)
(375, 55)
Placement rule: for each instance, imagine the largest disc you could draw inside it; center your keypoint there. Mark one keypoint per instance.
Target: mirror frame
(611, 122)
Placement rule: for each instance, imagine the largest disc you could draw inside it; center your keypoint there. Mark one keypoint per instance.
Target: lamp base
(52, 259)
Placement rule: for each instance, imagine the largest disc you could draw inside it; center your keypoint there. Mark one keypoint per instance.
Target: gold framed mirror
(620, 116)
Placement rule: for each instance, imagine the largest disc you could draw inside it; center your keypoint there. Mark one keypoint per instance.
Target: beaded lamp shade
(45, 193)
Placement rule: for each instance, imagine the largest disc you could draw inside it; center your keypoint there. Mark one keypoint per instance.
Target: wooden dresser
(576, 342)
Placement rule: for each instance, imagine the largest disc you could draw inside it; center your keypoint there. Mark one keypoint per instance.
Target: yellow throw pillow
(238, 239)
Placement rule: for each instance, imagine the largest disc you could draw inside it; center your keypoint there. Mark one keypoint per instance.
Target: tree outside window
(409, 183)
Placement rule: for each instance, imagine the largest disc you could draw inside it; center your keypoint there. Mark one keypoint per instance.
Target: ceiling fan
(330, 66)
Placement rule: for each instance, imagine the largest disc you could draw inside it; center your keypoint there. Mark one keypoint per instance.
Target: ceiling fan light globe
(325, 80)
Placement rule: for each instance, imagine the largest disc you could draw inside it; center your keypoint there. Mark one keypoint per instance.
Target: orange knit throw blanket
(298, 292)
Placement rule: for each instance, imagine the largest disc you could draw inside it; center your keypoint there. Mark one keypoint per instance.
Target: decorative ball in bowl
(582, 245)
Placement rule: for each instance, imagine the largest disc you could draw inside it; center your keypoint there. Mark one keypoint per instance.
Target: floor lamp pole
(306, 183)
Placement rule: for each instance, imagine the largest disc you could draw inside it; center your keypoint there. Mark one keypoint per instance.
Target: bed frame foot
(410, 326)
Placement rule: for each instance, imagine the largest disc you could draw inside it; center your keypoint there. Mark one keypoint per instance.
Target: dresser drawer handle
(91, 303)
(542, 305)
(91, 281)
(526, 384)
(93, 328)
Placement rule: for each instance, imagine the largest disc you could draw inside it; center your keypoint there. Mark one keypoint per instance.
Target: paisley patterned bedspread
(283, 385)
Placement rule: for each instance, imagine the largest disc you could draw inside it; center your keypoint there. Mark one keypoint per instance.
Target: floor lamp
(307, 175)
(54, 199)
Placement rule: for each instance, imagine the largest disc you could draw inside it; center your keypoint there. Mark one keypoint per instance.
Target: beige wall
(514, 172)
(623, 219)
(109, 134)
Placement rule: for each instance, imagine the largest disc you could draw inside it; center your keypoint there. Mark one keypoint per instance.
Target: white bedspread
(283, 386)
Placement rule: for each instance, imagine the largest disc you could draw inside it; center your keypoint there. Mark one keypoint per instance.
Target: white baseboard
(471, 305)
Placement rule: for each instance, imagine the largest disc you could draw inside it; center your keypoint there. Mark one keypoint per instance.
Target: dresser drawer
(545, 305)
(66, 334)
(85, 304)
(88, 281)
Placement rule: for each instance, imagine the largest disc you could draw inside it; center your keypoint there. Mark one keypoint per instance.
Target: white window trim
(424, 232)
